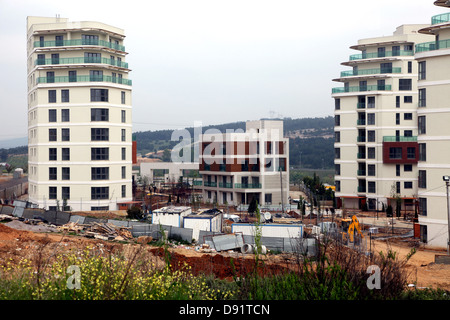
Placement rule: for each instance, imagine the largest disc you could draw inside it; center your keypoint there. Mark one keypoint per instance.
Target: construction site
(220, 240)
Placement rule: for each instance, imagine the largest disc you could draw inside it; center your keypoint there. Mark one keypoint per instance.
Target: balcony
(210, 184)
(362, 72)
(79, 42)
(399, 139)
(361, 122)
(360, 155)
(79, 60)
(87, 78)
(361, 138)
(440, 18)
(197, 183)
(361, 105)
(432, 45)
(361, 189)
(362, 88)
(225, 185)
(361, 172)
(247, 185)
(373, 55)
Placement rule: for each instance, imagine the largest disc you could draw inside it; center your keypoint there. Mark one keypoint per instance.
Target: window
(124, 153)
(99, 134)
(52, 173)
(88, 39)
(363, 86)
(422, 70)
(371, 153)
(381, 84)
(64, 95)
(124, 172)
(337, 169)
(124, 191)
(397, 118)
(395, 51)
(96, 75)
(65, 154)
(370, 102)
(407, 185)
(422, 97)
(337, 153)
(407, 168)
(122, 96)
(423, 206)
(371, 170)
(72, 76)
(52, 135)
(100, 208)
(99, 193)
(65, 173)
(422, 178)
(65, 193)
(100, 173)
(371, 118)
(337, 104)
(386, 67)
(123, 134)
(268, 198)
(337, 136)
(407, 116)
(411, 152)
(99, 95)
(99, 153)
(92, 57)
(405, 84)
(52, 193)
(407, 99)
(65, 115)
(409, 66)
(52, 115)
(422, 128)
(371, 187)
(52, 154)
(51, 96)
(65, 134)
(397, 101)
(395, 153)
(337, 120)
(124, 116)
(338, 185)
(381, 52)
(99, 114)
(397, 170)
(397, 185)
(423, 233)
(370, 136)
(422, 152)
(51, 79)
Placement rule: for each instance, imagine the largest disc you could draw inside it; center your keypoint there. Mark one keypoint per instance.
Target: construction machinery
(351, 230)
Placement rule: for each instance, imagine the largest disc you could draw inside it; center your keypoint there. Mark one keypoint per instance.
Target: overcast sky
(214, 61)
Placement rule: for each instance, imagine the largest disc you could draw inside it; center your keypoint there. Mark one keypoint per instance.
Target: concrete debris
(102, 231)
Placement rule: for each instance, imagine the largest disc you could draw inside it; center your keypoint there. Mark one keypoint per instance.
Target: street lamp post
(447, 183)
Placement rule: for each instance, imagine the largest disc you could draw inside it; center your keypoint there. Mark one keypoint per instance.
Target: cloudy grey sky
(214, 61)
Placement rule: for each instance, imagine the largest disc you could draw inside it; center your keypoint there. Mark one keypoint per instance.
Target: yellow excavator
(351, 230)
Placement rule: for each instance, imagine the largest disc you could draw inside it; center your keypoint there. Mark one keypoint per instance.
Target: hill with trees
(311, 140)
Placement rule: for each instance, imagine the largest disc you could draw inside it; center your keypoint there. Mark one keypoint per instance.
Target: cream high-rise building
(376, 149)
(433, 58)
(79, 115)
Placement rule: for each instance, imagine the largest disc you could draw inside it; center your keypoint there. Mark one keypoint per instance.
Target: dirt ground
(19, 240)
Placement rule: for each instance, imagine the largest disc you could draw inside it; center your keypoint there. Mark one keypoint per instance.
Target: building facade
(376, 148)
(433, 112)
(79, 115)
(239, 166)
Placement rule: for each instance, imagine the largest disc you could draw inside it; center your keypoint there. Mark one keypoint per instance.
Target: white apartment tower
(376, 148)
(433, 112)
(79, 115)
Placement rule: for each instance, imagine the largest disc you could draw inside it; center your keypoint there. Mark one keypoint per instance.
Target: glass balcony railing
(225, 185)
(362, 72)
(361, 139)
(375, 87)
(372, 55)
(432, 45)
(247, 185)
(77, 60)
(79, 42)
(210, 184)
(440, 18)
(361, 122)
(361, 172)
(86, 78)
(361, 189)
(399, 139)
(198, 183)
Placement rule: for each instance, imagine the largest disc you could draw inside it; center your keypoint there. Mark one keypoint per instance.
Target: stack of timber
(103, 231)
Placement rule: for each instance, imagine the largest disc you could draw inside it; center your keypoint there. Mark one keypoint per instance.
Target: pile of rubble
(102, 231)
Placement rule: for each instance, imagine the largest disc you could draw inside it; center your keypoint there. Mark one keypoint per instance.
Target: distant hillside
(311, 140)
